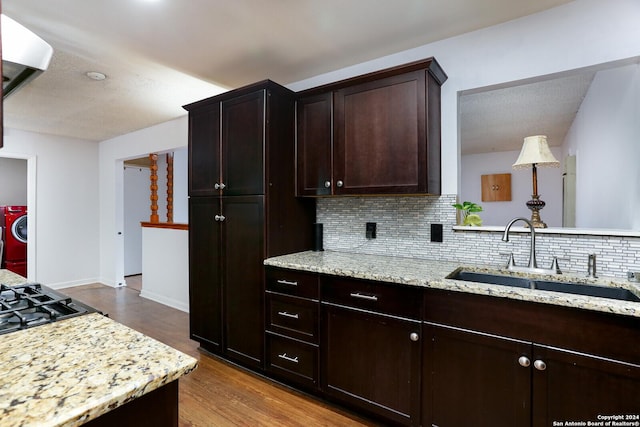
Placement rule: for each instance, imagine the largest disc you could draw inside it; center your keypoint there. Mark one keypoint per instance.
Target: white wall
(575, 35)
(13, 181)
(165, 266)
(80, 213)
(163, 137)
(63, 206)
(499, 213)
(605, 137)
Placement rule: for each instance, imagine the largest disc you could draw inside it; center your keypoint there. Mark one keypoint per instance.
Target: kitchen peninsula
(88, 370)
(433, 274)
(401, 340)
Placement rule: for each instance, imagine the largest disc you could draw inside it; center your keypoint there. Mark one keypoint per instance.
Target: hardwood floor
(216, 393)
(134, 282)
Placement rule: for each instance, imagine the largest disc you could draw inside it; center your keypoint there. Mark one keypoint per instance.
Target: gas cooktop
(31, 304)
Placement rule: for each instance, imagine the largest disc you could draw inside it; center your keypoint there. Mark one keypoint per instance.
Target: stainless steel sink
(589, 290)
(492, 279)
(546, 285)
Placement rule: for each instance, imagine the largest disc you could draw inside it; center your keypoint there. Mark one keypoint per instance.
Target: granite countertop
(69, 372)
(433, 274)
(8, 277)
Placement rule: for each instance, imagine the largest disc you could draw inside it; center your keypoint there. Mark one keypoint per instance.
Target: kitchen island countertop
(71, 371)
(433, 274)
(8, 277)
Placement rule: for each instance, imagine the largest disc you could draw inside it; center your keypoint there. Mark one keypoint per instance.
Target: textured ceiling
(160, 55)
(499, 119)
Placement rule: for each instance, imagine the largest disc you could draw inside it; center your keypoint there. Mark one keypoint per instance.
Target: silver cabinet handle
(327, 184)
(287, 314)
(219, 218)
(414, 336)
(286, 282)
(339, 183)
(287, 358)
(524, 361)
(539, 365)
(219, 186)
(364, 296)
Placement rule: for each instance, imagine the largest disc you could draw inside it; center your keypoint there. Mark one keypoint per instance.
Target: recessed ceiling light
(96, 75)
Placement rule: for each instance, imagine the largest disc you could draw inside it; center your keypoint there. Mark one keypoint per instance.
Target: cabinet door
(380, 141)
(314, 138)
(243, 134)
(205, 292)
(579, 387)
(243, 251)
(370, 361)
(474, 379)
(204, 150)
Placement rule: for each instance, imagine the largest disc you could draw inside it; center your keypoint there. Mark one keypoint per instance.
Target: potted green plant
(468, 211)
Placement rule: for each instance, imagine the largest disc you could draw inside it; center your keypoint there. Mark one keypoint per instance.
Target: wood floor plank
(217, 393)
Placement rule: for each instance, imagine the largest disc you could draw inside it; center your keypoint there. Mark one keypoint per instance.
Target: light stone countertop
(10, 278)
(71, 371)
(433, 274)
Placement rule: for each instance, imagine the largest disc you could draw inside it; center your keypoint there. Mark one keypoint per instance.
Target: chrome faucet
(533, 264)
(532, 253)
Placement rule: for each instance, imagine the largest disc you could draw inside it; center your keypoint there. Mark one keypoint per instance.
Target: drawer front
(292, 359)
(387, 298)
(292, 282)
(292, 316)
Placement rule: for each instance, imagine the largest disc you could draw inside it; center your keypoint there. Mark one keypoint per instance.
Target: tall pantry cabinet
(242, 209)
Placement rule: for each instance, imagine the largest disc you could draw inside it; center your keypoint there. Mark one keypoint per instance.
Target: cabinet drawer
(292, 316)
(397, 300)
(292, 282)
(292, 359)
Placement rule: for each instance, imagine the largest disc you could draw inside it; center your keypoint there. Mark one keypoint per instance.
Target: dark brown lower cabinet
(205, 279)
(472, 378)
(226, 276)
(406, 355)
(294, 360)
(580, 387)
(372, 362)
(243, 284)
(158, 408)
(291, 327)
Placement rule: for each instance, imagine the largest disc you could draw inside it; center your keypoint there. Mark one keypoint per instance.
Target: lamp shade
(535, 150)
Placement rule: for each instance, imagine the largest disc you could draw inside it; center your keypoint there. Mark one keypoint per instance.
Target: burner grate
(32, 304)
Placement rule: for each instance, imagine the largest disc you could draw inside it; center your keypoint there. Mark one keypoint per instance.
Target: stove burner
(32, 304)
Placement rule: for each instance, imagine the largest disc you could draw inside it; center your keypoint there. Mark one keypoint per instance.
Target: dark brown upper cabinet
(374, 134)
(242, 209)
(226, 159)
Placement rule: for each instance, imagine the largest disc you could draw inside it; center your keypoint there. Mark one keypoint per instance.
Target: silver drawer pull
(364, 296)
(290, 315)
(287, 358)
(286, 282)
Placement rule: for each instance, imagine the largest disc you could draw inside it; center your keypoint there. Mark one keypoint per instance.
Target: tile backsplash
(404, 229)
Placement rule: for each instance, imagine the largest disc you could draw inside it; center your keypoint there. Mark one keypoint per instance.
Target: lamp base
(535, 205)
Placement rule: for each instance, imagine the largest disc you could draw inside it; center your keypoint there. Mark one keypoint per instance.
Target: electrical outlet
(436, 233)
(370, 230)
(633, 276)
